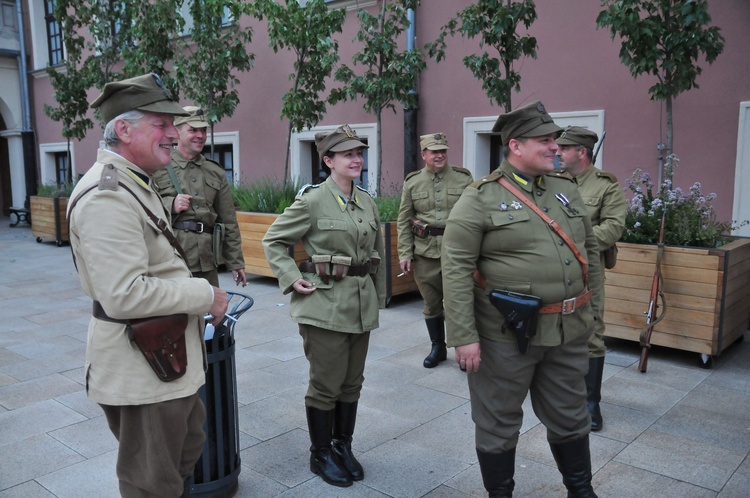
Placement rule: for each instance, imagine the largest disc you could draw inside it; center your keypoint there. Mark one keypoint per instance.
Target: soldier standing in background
(196, 191)
(426, 201)
(502, 236)
(606, 205)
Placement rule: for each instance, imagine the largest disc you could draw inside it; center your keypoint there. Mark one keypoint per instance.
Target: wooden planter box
(707, 293)
(48, 220)
(253, 227)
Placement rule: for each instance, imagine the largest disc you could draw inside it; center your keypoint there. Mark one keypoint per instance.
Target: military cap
(576, 135)
(196, 118)
(433, 141)
(144, 93)
(339, 140)
(528, 121)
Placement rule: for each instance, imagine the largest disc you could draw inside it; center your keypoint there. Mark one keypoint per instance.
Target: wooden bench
(21, 214)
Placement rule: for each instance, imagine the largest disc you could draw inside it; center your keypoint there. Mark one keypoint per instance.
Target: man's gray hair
(110, 137)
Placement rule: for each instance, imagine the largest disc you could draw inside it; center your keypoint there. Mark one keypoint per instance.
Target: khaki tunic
(129, 266)
(607, 207)
(212, 203)
(328, 224)
(490, 230)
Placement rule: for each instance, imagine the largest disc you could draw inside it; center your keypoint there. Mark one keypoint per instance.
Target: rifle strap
(174, 179)
(645, 336)
(551, 223)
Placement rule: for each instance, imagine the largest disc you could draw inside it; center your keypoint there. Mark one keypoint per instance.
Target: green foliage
(690, 218)
(55, 190)
(206, 61)
(388, 205)
(265, 196)
(665, 39)
(390, 74)
(307, 32)
(496, 23)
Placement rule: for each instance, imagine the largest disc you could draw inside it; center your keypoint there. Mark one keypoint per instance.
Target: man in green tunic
(512, 248)
(196, 191)
(428, 196)
(606, 205)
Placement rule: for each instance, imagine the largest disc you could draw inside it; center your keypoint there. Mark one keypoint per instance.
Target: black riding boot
(594, 391)
(436, 329)
(574, 462)
(497, 472)
(345, 415)
(322, 459)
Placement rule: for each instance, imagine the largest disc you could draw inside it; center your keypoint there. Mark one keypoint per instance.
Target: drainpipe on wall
(411, 140)
(27, 133)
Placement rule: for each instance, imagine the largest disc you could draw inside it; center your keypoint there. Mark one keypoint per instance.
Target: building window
(62, 165)
(222, 155)
(54, 35)
(8, 14)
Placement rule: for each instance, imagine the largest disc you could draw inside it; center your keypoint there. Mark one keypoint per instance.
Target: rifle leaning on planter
(656, 292)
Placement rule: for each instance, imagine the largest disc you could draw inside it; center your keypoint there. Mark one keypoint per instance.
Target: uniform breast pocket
(576, 224)
(212, 190)
(592, 201)
(453, 196)
(511, 231)
(421, 201)
(331, 224)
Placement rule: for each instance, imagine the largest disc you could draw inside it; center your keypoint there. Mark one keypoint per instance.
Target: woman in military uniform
(336, 295)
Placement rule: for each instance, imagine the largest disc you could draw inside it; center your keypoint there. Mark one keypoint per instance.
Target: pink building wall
(577, 68)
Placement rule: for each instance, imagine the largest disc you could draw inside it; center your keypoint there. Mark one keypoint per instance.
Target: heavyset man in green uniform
(196, 191)
(428, 196)
(512, 248)
(606, 205)
(131, 270)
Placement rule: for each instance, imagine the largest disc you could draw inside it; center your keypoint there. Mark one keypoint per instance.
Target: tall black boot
(436, 329)
(345, 415)
(497, 472)
(594, 391)
(574, 462)
(322, 459)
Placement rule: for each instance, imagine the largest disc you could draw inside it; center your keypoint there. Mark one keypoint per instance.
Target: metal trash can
(216, 472)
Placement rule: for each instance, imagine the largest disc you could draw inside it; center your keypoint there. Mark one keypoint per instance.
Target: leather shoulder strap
(551, 223)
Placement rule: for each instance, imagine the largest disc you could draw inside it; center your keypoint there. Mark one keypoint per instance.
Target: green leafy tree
(390, 73)
(496, 24)
(665, 39)
(70, 81)
(307, 31)
(208, 61)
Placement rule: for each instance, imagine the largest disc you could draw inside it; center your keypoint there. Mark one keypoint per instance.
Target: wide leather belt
(569, 305)
(436, 231)
(193, 226)
(352, 270)
(99, 313)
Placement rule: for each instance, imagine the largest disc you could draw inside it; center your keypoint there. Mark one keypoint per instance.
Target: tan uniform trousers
(553, 375)
(159, 445)
(337, 365)
(429, 278)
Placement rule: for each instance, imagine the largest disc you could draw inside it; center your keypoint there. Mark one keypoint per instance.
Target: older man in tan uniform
(131, 270)
(607, 206)
(498, 229)
(196, 191)
(428, 196)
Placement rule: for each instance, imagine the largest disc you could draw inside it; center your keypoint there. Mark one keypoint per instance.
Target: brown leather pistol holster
(161, 339)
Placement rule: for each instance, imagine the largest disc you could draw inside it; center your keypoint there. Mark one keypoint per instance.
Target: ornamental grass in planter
(706, 271)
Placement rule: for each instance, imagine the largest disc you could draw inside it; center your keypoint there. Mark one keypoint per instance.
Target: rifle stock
(653, 302)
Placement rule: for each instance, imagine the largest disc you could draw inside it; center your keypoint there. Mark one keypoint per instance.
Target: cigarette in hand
(401, 274)
(228, 317)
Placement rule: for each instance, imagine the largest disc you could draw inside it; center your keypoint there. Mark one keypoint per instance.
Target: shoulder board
(413, 173)
(562, 175)
(212, 161)
(491, 178)
(109, 179)
(363, 190)
(609, 176)
(461, 170)
(307, 187)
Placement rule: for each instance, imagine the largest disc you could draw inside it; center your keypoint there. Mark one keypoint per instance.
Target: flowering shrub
(690, 218)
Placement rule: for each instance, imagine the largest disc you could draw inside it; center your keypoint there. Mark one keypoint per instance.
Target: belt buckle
(568, 306)
(199, 227)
